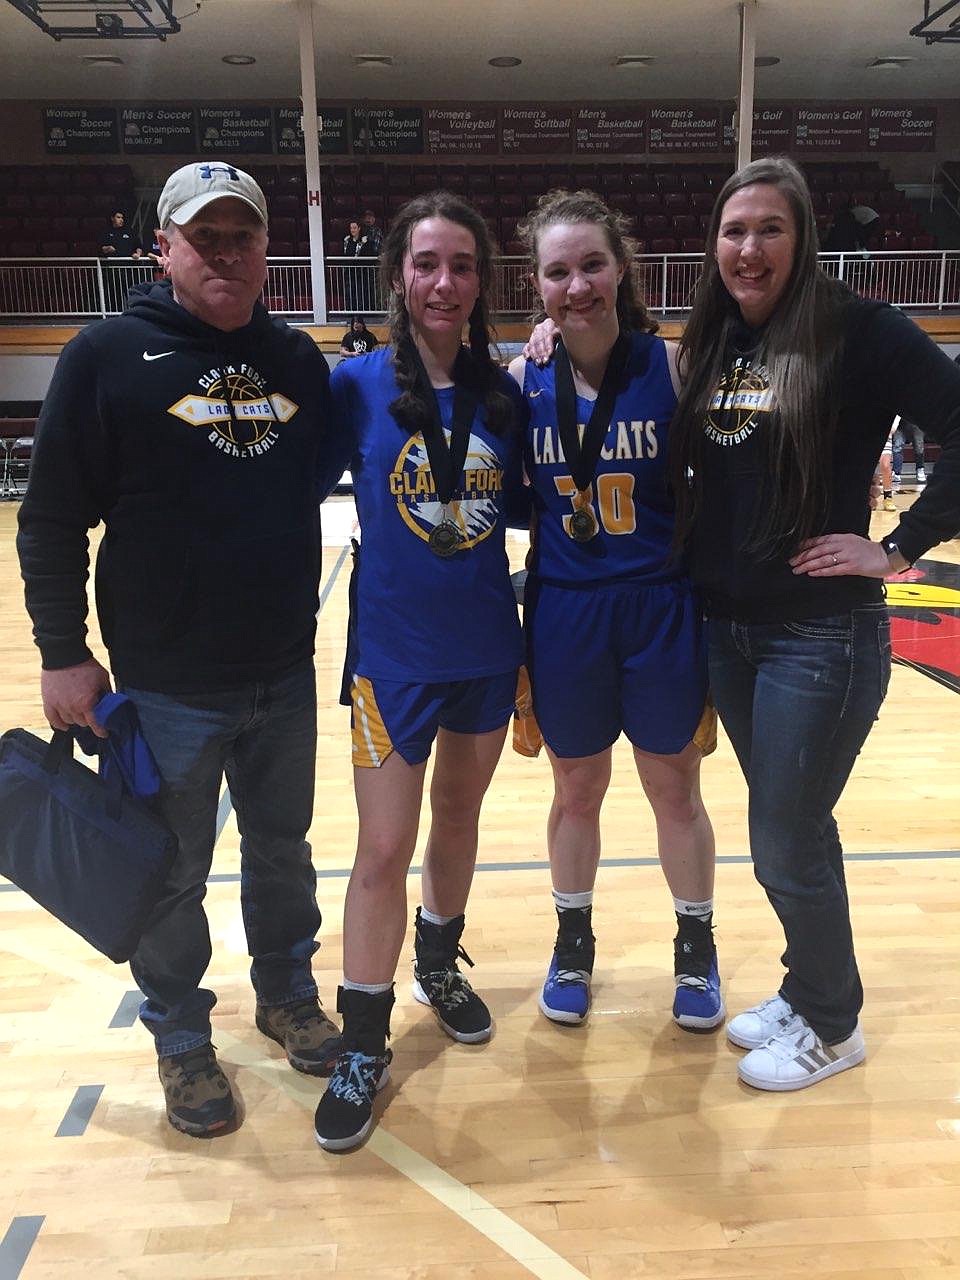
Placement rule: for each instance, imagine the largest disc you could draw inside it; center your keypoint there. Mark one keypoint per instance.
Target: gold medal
(583, 525)
(445, 538)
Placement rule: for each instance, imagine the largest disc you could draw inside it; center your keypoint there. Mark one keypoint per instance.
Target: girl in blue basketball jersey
(429, 429)
(613, 630)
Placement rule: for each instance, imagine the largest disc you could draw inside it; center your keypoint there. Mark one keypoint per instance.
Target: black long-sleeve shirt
(889, 366)
(198, 450)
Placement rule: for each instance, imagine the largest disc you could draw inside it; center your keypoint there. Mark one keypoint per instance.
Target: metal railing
(78, 288)
(947, 180)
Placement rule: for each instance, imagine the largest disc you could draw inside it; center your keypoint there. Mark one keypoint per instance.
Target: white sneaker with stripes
(754, 1027)
(796, 1057)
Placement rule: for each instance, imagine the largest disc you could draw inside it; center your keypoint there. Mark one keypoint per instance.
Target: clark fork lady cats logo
(249, 430)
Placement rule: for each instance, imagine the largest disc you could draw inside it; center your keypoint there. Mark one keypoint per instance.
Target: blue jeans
(797, 700)
(263, 737)
(907, 432)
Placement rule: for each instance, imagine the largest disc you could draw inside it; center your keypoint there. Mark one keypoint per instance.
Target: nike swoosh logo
(533, 394)
(158, 356)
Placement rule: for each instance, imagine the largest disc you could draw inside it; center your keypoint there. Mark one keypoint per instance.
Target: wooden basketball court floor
(622, 1149)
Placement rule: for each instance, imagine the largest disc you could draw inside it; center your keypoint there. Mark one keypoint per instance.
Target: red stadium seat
(663, 244)
(647, 202)
(685, 224)
(283, 229)
(640, 181)
(693, 244)
(655, 224)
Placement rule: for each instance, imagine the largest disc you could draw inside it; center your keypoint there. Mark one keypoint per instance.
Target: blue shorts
(390, 715)
(622, 657)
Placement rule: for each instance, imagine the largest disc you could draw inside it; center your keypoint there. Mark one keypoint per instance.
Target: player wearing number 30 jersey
(613, 630)
(629, 493)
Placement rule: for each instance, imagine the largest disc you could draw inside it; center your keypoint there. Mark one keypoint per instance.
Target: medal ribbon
(582, 456)
(446, 460)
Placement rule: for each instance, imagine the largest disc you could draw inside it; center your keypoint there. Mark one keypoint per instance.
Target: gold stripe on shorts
(706, 735)
(527, 738)
(371, 742)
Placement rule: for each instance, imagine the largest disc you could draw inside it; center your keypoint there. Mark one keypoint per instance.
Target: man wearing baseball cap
(192, 427)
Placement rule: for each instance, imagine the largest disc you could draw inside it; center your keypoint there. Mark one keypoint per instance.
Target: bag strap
(60, 749)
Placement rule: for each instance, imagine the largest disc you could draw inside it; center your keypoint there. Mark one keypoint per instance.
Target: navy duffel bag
(82, 846)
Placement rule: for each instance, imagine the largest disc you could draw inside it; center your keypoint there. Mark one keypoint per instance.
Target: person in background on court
(884, 475)
(614, 636)
(904, 431)
(358, 339)
(790, 383)
(207, 591)
(434, 639)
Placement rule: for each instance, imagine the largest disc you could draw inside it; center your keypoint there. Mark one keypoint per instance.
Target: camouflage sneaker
(310, 1040)
(199, 1098)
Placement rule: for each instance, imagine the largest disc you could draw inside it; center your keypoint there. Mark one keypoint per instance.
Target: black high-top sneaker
(344, 1115)
(439, 983)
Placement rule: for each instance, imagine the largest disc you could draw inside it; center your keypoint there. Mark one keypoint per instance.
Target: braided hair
(475, 367)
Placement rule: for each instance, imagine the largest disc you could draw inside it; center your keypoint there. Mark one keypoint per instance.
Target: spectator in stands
(207, 594)
(790, 383)
(846, 235)
(869, 222)
(373, 233)
(359, 281)
(118, 248)
(355, 242)
(358, 340)
(119, 241)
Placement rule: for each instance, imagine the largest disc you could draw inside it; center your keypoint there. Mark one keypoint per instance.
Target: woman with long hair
(428, 428)
(613, 629)
(789, 386)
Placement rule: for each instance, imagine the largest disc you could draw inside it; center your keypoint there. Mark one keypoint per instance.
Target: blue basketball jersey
(629, 496)
(418, 617)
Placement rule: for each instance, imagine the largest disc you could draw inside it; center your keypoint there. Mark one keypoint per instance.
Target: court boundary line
(732, 859)
(519, 1244)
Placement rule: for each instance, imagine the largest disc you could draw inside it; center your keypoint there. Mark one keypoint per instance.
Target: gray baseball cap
(191, 188)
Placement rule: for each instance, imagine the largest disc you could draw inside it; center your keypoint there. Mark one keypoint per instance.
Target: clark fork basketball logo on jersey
(251, 429)
(474, 507)
(743, 395)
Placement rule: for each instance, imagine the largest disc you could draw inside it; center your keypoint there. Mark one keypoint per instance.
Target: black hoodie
(198, 450)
